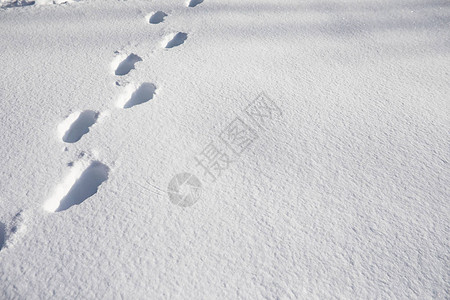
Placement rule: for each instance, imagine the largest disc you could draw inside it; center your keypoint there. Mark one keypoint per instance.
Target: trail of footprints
(87, 175)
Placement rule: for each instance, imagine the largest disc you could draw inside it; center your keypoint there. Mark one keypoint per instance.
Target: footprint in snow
(81, 183)
(19, 3)
(174, 40)
(76, 125)
(11, 233)
(132, 96)
(157, 17)
(123, 65)
(194, 3)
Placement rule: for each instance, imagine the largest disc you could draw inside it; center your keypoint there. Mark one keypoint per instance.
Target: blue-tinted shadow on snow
(127, 64)
(18, 3)
(86, 186)
(80, 126)
(2, 235)
(143, 94)
(157, 17)
(194, 3)
(177, 40)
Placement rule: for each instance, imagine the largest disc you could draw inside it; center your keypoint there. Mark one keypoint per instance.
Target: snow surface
(344, 194)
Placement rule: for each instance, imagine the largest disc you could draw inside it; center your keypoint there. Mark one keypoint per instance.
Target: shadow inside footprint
(18, 3)
(157, 17)
(127, 65)
(143, 94)
(80, 126)
(194, 3)
(86, 186)
(177, 40)
(2, 235)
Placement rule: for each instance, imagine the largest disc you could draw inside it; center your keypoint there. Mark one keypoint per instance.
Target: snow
(107, 107)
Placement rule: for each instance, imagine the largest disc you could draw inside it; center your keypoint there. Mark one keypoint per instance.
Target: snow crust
(108, 106)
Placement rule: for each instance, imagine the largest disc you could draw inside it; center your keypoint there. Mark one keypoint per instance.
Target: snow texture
(224, 149)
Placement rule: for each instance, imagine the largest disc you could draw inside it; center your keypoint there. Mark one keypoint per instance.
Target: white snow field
(225, 149)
